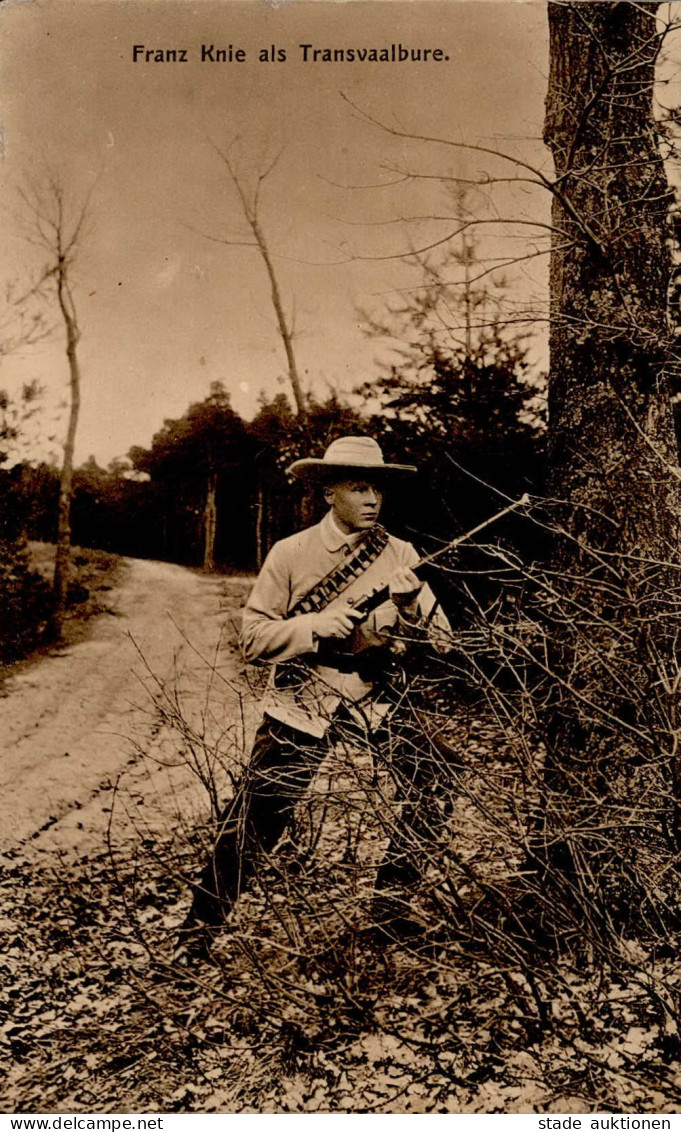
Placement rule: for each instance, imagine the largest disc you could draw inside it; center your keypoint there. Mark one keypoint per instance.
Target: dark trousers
(283, 762)
(282, 765)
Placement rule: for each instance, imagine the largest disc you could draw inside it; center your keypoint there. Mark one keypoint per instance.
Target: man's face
(355, 503)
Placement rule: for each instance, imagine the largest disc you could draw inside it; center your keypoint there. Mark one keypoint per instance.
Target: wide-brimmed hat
(352, 456)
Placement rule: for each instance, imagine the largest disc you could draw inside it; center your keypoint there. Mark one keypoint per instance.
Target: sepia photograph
(340, 550)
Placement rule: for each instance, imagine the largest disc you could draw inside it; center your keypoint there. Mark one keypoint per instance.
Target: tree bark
(612, 456)
(611, 439)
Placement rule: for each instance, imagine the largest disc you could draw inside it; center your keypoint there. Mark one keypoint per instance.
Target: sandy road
(72, 723)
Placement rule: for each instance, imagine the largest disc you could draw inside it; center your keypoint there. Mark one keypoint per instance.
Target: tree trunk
(60, 584)
(210, 523)
(282, 322)
(610, 615)
(259, 523)
(611, 439)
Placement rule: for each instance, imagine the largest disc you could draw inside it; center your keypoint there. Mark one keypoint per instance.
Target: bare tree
(56, 230)
(250, 201)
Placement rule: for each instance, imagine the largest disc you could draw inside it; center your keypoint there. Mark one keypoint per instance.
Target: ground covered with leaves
(302, 1007)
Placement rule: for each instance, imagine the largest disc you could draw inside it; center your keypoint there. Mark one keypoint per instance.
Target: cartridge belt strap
(332, 584)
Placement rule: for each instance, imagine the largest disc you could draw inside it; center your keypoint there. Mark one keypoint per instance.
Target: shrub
(25, 602)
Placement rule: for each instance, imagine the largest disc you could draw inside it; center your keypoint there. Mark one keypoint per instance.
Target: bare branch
(250, 209)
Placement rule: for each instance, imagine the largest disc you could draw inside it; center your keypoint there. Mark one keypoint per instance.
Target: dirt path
(73, 723)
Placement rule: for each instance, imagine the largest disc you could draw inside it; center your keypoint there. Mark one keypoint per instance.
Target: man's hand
(404, 591)
(337, 623)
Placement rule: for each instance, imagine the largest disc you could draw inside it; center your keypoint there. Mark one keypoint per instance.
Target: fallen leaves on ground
(301, 1015)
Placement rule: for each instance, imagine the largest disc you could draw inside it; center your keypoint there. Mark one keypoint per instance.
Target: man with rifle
(329, 605)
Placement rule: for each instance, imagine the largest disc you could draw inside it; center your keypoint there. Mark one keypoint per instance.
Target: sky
(168, 297)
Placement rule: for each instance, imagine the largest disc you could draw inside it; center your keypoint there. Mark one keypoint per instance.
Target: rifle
(366, 604)
(337, 651)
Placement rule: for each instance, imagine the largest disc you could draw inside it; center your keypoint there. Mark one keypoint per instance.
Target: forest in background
(211, 489)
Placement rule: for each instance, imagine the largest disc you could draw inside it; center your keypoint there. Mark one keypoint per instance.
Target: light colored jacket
(290, 570)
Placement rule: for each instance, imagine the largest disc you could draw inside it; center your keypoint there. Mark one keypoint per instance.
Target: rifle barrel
(375, 598)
